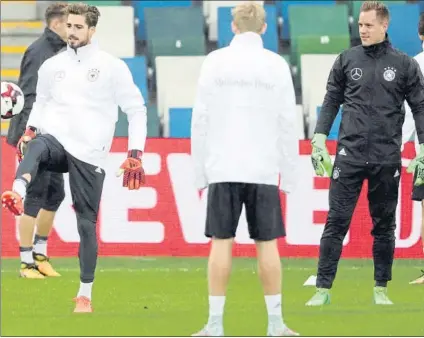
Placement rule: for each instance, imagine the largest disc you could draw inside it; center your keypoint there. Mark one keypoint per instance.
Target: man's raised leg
(37, 154)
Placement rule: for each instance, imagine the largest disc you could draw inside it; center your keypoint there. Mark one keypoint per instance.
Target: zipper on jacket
(370, 105)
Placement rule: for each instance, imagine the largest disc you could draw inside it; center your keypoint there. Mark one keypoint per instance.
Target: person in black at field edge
(372, 81)
(46, 193)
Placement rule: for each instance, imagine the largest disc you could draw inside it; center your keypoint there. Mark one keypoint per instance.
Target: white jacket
(77, 102)
(244, 118)
(408, 129)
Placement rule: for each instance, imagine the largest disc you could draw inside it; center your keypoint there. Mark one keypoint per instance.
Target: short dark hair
(421, 24)
(91, 13)
(380, 8)
(55, 10)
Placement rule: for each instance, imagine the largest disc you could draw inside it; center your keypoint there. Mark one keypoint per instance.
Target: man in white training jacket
(71, 129)
(407, 133)
(243, 139)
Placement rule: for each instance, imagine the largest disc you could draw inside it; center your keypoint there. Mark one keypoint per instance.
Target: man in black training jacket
(372, 81)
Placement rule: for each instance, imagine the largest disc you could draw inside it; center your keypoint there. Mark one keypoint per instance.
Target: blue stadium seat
(225, 35)
(283, 10)
(180, 122)
(138, 68)
(334, 132)
(421, 4)
(403, 28)
(139, 7)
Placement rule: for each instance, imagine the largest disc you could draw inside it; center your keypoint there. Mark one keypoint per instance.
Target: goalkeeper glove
(417, 167)
(321, 160)
(30, 134)
(133, 171)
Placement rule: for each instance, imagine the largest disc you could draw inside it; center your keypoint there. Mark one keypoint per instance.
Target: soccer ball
(12, 100)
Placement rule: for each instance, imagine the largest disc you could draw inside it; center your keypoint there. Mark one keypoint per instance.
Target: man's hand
(133, 170)
(321, 160)
(30, 134)
(417, 166)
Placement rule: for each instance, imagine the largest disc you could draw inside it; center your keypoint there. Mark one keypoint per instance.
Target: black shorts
(85, 180)
(263, 210)
(46, 191)
(417, 192)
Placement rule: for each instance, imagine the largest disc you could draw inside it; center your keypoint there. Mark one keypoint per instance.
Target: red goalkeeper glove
(30, 134)
(133, 171)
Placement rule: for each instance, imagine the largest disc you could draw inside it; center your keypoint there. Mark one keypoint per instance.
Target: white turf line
(189, 269)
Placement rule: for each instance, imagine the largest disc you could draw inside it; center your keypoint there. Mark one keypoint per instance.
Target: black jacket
(372, 83)
(46, 46)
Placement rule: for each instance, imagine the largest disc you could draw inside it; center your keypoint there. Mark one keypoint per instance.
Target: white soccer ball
(12, 100)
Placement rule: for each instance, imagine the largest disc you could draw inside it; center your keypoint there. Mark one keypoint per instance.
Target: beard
(75, 44)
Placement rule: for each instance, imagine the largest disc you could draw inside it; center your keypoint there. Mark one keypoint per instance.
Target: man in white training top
(407, 133)
(72, 127)
(243, 139)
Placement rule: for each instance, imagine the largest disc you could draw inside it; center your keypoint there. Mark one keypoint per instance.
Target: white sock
(26, 256)
(40, 245)
(216, 309)
(85, 290)
(19, 186)
(41, 248)
(273, 305)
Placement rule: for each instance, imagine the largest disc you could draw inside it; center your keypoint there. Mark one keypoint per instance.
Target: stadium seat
(139, 7)
(153, 123)
(283, 10)
(138, 67)
(176, 79)
(421, 4)
(317, 20)
(210, 10)
(225, 34)
(319, 45)
(108, 34)
(171, 47)
(315, 71)
(180, 122)
(166, 35)
(403, 28)
(334, 131)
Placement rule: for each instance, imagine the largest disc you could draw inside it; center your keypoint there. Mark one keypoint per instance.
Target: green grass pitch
(168, 296)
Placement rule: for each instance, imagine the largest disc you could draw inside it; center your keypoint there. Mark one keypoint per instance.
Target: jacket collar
(247, 39)
(83, 53)
(54, 39)
(378, 48)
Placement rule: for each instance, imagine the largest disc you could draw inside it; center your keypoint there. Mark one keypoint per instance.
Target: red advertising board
(166, 217)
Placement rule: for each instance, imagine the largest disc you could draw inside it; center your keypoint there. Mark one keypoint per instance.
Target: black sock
(382, 284)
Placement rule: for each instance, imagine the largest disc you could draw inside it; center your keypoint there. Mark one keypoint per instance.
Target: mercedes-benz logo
(356, 73)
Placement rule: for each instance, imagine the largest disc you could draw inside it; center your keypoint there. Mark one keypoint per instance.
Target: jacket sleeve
(42, 96)
(200, 123)
(131, 101)
(333, 98)
(28, 83)
(288, 140)
(408, 128)
(415, 97)
(28, 78)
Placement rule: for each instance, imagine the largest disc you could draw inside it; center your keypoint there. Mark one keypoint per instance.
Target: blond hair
(249, 16)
